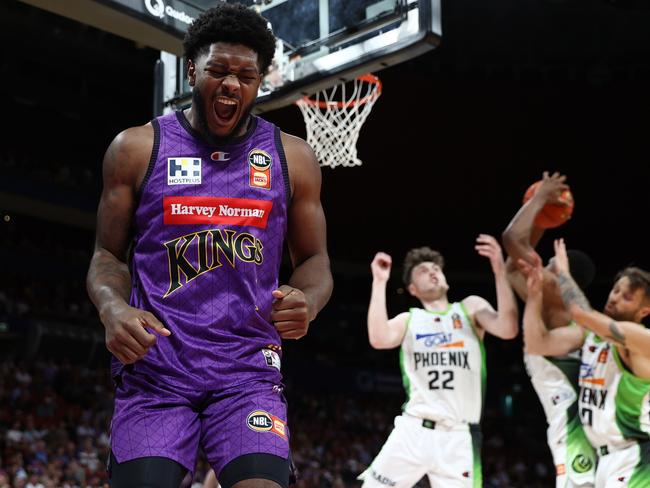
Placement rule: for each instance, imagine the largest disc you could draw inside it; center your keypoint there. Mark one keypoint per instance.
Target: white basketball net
(334, 118)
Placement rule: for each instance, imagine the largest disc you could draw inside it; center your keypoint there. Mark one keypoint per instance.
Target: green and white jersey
(614, 404)
(555, 380)
(443, 366)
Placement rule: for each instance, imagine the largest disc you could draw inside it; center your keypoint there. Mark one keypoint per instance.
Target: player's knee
(148, 472)
(257, 470)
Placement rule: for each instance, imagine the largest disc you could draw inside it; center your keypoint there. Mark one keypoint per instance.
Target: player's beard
(202, 120)
(621, 316)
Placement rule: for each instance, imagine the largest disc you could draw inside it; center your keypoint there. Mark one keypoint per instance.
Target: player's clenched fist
(380, 266)
(126, 332)
(290, 312)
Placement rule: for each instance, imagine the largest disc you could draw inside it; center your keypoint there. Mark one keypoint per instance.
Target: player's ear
(643, 312)
(191, 72)
(411, 289)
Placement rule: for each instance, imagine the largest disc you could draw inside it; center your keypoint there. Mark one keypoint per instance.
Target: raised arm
(630, 335)
(310, 285)
(537, 338)
(503, 321)
(383, 333)
(108, 280)
(521, 235)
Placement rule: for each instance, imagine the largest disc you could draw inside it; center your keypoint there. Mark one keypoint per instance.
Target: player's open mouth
(225, 109)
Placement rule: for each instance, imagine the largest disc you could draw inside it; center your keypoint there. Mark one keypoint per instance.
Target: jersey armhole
(152, 159)
(470, 320)
(406, 326)
(283, 164)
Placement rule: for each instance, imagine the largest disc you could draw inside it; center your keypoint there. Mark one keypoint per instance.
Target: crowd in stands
(55, 415)
(55, 412)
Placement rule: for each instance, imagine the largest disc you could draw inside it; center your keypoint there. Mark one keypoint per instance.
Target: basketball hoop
(334, 119)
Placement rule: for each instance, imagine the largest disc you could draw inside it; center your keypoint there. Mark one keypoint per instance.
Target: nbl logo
(260, 421)
(263, 421)
(259, 172)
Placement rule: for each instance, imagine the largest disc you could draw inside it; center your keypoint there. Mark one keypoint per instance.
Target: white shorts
(449, 456)
(625, 468)
(575, 467)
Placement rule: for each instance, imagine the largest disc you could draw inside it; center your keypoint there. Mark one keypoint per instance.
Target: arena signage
(173, 14)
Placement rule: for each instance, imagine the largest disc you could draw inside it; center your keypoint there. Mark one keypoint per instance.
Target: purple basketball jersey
(209, 231)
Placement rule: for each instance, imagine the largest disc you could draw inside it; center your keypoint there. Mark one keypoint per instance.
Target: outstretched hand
(551, 189)
(487, 246)
(533, 271)
(380, 267)
(560, 263)
(290, 312)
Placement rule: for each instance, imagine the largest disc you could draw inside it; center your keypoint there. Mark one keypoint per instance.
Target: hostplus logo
(157, 8)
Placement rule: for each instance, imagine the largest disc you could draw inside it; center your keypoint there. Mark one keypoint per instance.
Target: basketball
(551, 215)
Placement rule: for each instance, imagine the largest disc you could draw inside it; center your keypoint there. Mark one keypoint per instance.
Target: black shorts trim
(256, 465)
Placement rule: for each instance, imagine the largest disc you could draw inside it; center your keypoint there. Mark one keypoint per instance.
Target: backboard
(326, 42)
(322, 43)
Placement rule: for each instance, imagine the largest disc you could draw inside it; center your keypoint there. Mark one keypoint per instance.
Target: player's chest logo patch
(220, 156)
(183, 171)
(259, 169)
(434, 339)
(455, 319)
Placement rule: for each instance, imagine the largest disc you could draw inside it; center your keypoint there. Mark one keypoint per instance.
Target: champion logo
(216, 210)
(220, 156)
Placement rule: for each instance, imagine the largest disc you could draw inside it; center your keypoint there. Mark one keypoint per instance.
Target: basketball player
(552, 341)
(615, 374)
(195, 208)
(443, 366)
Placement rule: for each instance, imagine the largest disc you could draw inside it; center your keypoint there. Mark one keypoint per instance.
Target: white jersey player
(614, 400)
(547, 327)
(552, 358)
(443, 366)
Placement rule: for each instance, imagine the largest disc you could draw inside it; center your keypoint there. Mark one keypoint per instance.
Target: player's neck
(435, 305)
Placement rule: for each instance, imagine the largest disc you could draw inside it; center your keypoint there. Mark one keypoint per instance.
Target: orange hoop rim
(368, 78)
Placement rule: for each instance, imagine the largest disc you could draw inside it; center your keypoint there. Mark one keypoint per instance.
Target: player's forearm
(507, 311)
(626, 334)
(314, 278)
(521, 235)
(602, 325)
(536, 336)
(108, 280)
(378, 328)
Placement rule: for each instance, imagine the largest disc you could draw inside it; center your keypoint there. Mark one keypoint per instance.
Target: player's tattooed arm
(571, 292)
(617, 334)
